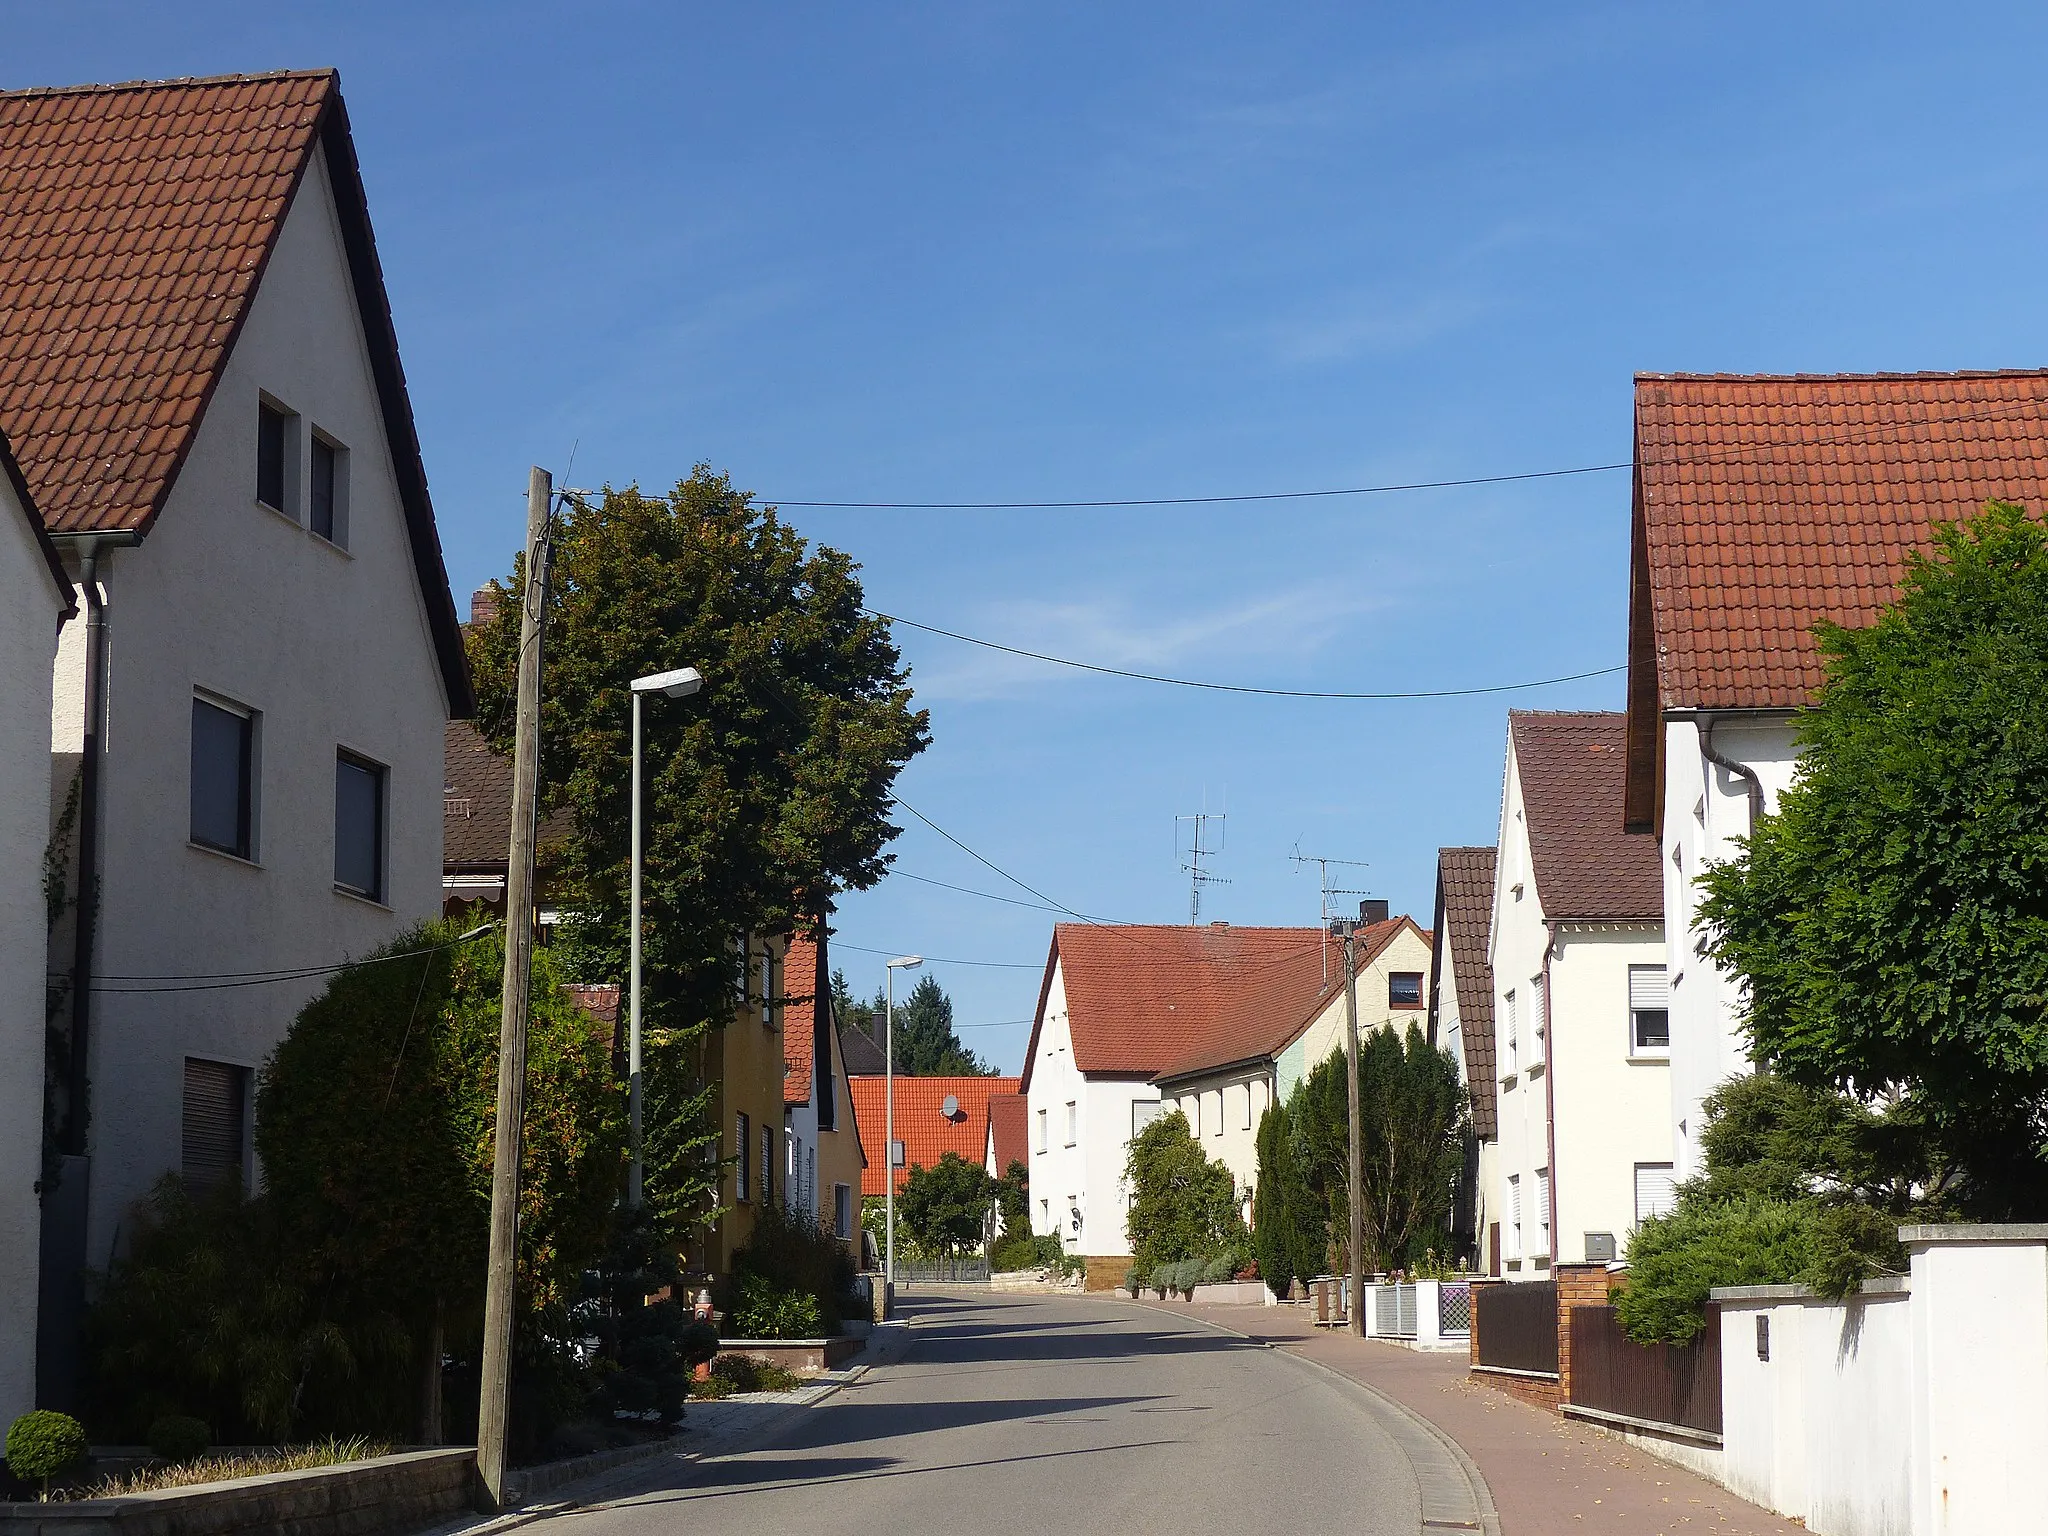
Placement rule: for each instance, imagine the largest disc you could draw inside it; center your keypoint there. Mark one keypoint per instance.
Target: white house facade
(260, 696)
(1841, 478)
(35, 599)
(1581, 1032)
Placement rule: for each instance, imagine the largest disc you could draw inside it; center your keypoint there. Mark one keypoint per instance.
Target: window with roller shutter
(215, 1125)
(1649, 1010)
(1656, 1191)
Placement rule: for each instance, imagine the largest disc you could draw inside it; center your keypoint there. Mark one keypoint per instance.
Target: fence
(1518, 1327)
(1454, 1309)
(1676, 1384)
(967, 1269)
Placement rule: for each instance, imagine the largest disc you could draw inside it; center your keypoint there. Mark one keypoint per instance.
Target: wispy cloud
(1281, 630)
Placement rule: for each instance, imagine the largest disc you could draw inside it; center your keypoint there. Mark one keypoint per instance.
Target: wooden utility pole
(500, 1301)
(1355, 1310)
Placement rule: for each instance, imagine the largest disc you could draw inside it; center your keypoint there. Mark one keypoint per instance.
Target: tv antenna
(1323, 871)
(1199, 848)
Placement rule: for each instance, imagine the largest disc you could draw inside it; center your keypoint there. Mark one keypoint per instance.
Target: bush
(1675, 1260)
(1218, 1269)
(763, 1310)
(791, 1254)
(1020, 1251)
(1182, 1203)
(42, 1445)
(744, 1373)
(178, 1437)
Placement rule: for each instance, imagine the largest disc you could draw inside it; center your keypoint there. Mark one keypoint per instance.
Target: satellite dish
(951, 1107)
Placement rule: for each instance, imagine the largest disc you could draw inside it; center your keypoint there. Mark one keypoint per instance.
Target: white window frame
(1073, 1122)
(1514, 1221)
(1539, 1018)
(1660, 988)
(1670, 1193)
(1543, 1211)
(1513, 1053)
(1044, 1144)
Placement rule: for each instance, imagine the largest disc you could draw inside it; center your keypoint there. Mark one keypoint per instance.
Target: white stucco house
(201, 381)
(1461, 1021)
(1119, 1003)
(1273, 1036)
(35, 600)
(1581, 1034)
(1763, 506)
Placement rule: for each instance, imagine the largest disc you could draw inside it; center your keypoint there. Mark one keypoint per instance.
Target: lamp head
(906, 962)
(677, 684)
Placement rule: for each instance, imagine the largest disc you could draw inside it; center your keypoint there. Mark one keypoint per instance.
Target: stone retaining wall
(386, 1494)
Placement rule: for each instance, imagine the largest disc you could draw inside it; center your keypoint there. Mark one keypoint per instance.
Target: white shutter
(1543, 1207)
(1655, 1188)
(1647, 987)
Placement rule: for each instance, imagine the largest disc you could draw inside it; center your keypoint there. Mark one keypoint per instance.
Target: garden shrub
(791, 1254)
(745, 1373)
(763, 1310)
(1218, 1269)
(42, 1445)
(178, 1437)
(645, 1350)
(1675, 1260)
(1018, 1251)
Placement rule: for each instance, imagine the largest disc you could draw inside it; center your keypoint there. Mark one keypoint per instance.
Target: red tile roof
(1141, 996)
(67, 596)
(135, 224)
(598, 999)
(476, 822)
(800, 1020)
(1464, 917)
(1768, 504)
(1008, 1136)
(1262, 1015)
(921, 1122)
(1585, 865)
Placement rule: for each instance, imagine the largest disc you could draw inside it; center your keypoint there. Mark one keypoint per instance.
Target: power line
(967, 890)
(214, 981)
(1207, 501)
(1278, 693)
(995, 965)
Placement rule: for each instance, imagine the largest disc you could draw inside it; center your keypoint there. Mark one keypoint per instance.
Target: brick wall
(1578, 1285)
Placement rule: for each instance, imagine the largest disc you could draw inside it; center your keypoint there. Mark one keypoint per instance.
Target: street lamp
(900, 963)
(678, 684)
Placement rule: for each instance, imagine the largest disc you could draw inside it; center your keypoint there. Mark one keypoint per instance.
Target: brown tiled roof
(921, 1122)
(476, 829)
(1585, 865)
(1141, 996)
(135, 224)
(1769, 504)
(863, 1056)
(1464, 914)
(1007, 1134)
(1263, 1017)
(600, 1000)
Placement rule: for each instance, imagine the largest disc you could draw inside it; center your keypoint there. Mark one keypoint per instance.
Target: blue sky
(998, 252)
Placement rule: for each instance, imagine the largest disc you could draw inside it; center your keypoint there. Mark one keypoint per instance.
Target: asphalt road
(1032, 1414)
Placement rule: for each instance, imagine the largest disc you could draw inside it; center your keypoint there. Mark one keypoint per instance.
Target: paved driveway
(1036, 1414)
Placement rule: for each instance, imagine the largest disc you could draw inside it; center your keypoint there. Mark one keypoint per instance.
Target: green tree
(925, 1044)
(1013, 1199)
(764, 795)
(1290, 1228)
(1183, 1206)
(1890, 922)
(1413, 1114)
(944, 1208)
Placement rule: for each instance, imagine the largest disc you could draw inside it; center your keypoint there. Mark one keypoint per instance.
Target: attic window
(1404, 989)
(274, 438)
(327, 505)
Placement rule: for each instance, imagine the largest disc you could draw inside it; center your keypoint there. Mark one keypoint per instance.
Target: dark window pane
(216, 1096)
(1404, 989)
(359, 827)
(270, 445)
(321, 503)
(220, 778)
(1653, 1028)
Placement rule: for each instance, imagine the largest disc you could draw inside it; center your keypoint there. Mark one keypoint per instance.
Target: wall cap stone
(1882, 1286)
(1986, 1232)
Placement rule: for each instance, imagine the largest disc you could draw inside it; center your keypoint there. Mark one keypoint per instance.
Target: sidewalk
(1548, 1474)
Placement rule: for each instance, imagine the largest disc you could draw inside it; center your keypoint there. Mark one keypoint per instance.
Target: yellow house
(823, 1159)
(744, 1061)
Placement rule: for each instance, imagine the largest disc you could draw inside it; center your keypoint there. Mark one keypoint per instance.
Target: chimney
(1372, 911)
(483, 605)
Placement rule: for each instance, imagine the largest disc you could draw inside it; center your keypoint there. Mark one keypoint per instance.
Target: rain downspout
(77, 1077)
(1747, 775)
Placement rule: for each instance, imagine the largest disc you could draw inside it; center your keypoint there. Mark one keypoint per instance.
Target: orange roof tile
(1007, 1134)
(1586, 865)
(135, 223)
(800, 1020)
(922, 1125)
(67, 595)
(1766, 504)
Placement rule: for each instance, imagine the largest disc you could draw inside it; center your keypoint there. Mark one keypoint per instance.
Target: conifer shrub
(178, 1437)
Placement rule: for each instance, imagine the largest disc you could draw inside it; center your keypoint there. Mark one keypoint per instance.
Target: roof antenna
(1323, 869)
(1198, 849)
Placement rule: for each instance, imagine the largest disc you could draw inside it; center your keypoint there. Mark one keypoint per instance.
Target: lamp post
(676, 685)
(900, 963)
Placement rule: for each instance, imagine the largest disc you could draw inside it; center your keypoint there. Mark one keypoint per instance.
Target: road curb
(1487, 1521)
